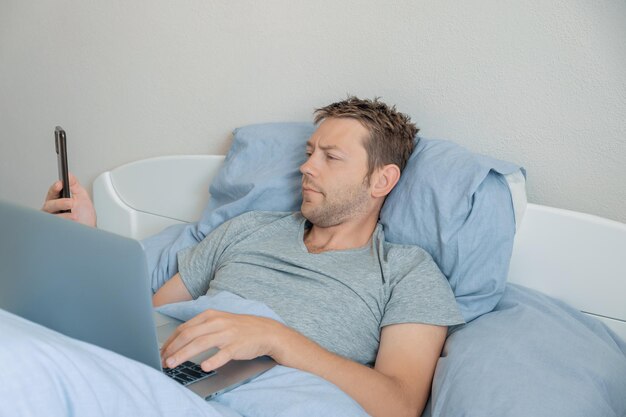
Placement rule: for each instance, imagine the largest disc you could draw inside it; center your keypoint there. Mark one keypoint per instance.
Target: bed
(551, 330)
(543, 294)
(551, 252)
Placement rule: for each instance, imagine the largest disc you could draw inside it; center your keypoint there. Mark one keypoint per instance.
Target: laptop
(94, 286)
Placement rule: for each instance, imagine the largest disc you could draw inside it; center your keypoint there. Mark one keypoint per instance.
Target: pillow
(457, 206)
(532, 356)
(452, 202)
(260, 172)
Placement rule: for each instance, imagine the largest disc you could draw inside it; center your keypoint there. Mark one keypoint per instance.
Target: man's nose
(307, 168)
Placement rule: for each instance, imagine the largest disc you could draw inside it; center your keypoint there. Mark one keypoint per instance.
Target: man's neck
(347, 235)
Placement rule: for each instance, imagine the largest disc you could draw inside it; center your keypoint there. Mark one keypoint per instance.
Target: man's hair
(391, 133)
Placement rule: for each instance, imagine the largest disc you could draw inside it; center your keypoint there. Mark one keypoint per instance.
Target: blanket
(533, 355)
(47, 373)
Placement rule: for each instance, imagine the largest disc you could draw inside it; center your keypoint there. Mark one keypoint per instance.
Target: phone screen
(60, 143)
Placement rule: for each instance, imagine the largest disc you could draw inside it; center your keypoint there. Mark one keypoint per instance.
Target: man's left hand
(238, 336)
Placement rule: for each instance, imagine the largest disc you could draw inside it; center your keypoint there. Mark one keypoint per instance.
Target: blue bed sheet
(531, 356)
(48, 374)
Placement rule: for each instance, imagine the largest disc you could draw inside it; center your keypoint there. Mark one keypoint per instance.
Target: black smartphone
(60, 143)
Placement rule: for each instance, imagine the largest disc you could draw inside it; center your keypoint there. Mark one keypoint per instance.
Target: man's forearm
(172, 291)
(392, 392)
(379, 394)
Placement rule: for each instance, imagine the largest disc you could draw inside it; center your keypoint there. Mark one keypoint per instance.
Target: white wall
(541, 83)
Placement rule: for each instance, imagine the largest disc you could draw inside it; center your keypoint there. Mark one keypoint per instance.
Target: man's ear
(384, 179)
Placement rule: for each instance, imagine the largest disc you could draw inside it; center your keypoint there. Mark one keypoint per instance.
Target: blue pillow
(532, 356)
(457, 206)
(260, 172)
(452, 202)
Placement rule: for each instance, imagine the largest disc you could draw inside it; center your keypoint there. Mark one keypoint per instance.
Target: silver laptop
(94, 286)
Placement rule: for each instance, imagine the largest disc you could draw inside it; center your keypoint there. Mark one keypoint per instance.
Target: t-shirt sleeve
(197, 264)
(419, 292)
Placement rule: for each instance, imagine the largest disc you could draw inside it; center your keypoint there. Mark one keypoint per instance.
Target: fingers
(183, 336)
(57, 205)
(51, 204)
(68, 216)
(194, 347)
(72, 179)
(75, 187)
(237, 337)
(54, 191)
(221, 358)
(207, 330)
(200, 318)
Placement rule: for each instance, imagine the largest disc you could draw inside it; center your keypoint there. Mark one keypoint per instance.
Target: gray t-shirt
(339, 299)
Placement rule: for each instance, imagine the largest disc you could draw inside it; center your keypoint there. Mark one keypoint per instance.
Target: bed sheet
(46, 373)
(533, 355)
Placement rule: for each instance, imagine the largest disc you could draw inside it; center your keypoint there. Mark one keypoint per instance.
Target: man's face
(334, 186)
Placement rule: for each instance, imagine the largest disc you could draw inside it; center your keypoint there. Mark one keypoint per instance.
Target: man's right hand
(82, 209)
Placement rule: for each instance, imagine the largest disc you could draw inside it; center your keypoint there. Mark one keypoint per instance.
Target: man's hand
(82, 209)
(398, 385)
(238, 336)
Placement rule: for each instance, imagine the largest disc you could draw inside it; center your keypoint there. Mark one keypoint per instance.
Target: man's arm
(172, 291)
(397, 386)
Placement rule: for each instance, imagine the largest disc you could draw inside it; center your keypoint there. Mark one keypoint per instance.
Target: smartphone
(60, 143)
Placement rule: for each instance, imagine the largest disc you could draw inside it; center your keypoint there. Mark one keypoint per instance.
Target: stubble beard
(334, 211)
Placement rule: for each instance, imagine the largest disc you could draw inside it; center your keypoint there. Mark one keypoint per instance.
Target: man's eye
(331, 157)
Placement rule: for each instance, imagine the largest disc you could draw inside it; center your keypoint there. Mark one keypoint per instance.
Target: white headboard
(142, 198)
(576, 257)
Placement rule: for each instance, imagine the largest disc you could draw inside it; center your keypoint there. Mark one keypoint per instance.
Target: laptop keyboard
(187, 372)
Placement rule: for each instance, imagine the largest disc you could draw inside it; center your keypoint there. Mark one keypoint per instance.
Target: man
(369, 316)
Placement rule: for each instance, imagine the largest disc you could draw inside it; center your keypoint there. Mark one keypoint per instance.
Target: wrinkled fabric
(47, 373)
(532, 356)
(453, 203)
